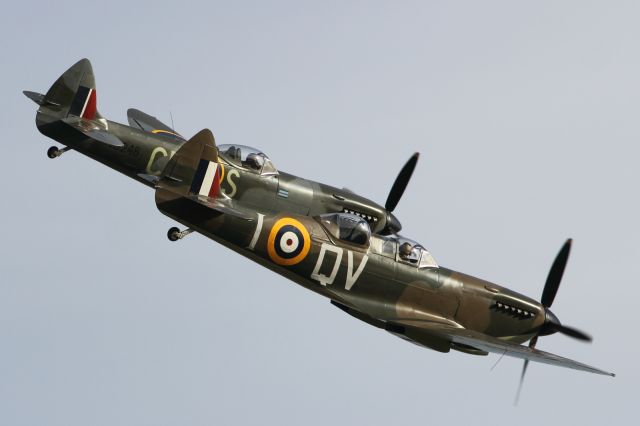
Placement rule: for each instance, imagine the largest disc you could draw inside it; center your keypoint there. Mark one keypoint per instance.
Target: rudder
(72, 95)
(194, 169)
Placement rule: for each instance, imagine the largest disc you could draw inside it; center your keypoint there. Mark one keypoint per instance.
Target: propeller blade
(524, 371)
(572, 332)
(555, 275)
(401, 182)
(532, 344)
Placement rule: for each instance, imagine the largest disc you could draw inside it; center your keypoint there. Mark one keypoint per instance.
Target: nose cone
(551, 323)
(393, 224)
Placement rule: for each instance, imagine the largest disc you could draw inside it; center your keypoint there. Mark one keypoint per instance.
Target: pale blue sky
(526, 115)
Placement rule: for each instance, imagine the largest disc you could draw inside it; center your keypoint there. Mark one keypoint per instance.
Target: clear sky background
(526, 116)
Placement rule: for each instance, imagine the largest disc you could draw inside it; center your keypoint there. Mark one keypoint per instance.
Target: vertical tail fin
(193, 175)
(72, 95)
(72, 101)
(194, 169)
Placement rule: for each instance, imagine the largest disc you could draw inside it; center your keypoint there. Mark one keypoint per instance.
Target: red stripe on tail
(90, 109)
(215, 186)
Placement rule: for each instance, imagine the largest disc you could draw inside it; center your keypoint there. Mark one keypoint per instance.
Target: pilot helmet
(255, 161)
(405, 249)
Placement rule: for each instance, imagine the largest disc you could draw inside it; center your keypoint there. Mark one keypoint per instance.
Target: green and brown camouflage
(330, 241)
(142, 149)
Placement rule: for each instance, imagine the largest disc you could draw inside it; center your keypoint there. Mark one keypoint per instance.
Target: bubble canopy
(413, 253)
(347, 227)
(355, 230)
(403, 250)
(248, 158)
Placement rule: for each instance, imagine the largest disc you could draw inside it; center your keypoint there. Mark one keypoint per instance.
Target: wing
(440, 336)
(488, 343)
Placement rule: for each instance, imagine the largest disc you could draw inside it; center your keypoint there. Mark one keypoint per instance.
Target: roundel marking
(288, 242)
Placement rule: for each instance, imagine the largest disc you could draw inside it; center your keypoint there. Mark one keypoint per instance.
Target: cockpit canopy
(403, 250)
(413, 253)
(355, 230)
(347, 227)
(247, 158)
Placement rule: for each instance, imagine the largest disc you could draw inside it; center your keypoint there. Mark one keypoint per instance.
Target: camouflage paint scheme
(293, 226)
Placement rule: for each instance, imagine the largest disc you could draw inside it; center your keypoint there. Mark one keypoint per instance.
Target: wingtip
(605, 373)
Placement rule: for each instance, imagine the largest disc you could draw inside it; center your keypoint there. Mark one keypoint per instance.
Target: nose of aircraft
(551, 323)
(393, 225)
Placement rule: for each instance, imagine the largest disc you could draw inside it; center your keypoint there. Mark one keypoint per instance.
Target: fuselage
(363, 277)
(328, 240)
(146, 153)
(143, 153)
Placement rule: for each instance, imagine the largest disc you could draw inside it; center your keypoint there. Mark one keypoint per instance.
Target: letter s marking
(232, 184)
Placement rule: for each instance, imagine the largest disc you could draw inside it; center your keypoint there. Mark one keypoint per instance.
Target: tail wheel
(53, 152)
(173, 234)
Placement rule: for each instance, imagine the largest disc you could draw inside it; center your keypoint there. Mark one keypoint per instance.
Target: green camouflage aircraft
(329, 240)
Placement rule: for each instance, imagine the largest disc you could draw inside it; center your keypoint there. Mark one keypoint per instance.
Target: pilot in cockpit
(406, 252)
(254, 161)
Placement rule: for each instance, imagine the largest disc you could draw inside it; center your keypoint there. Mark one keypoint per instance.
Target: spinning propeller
(552, 324)
(399, 185)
